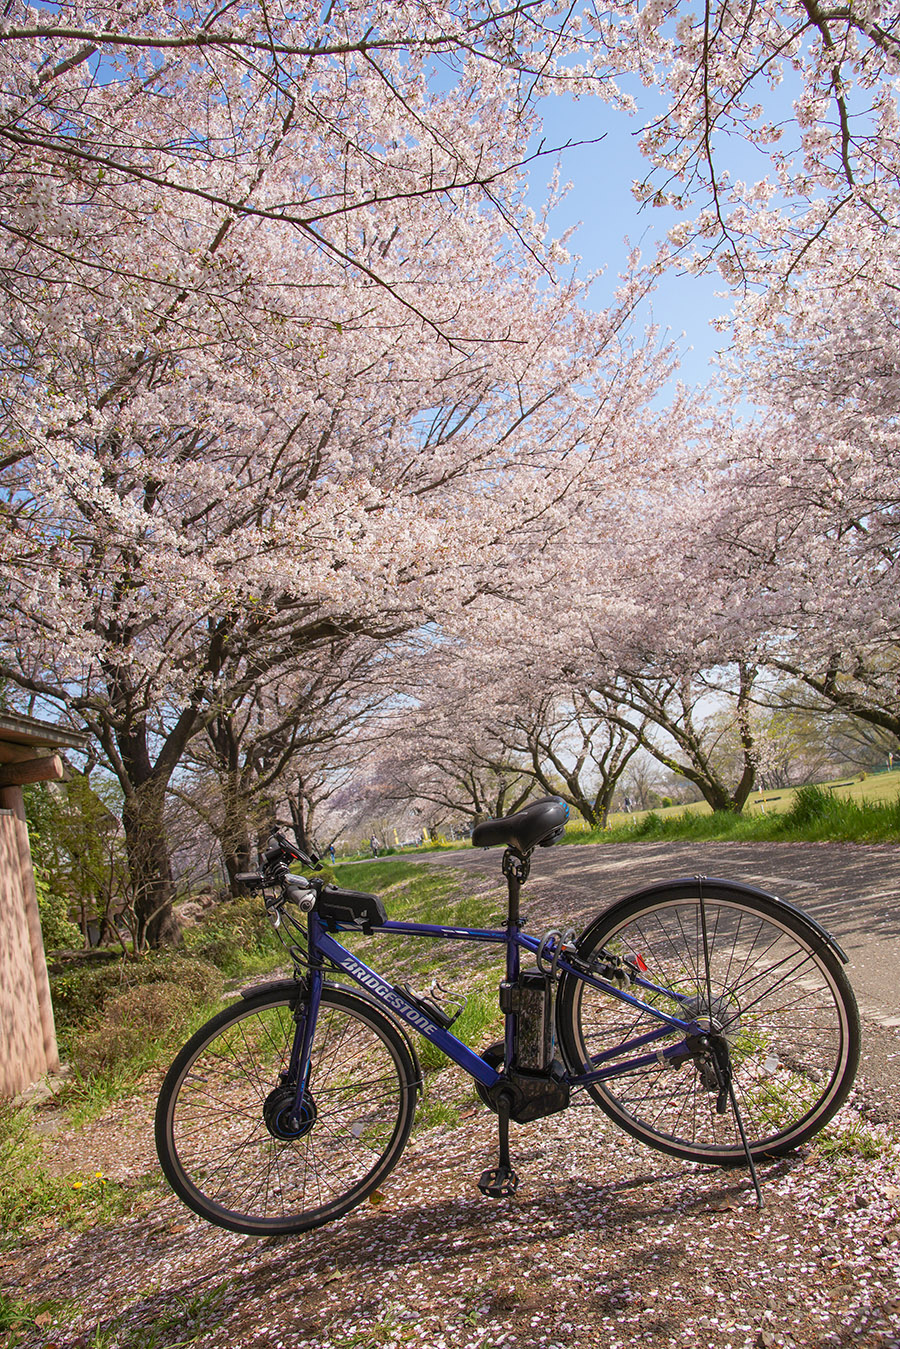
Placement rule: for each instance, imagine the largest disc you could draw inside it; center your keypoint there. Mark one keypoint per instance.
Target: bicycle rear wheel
(776, 990)
(224, 1133)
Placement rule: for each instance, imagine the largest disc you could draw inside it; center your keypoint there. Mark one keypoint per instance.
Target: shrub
(810, 805)
(235, 937)
(134, 1027)
(201, 979)
(57, 930)
(82, 989)
(650, 826)
(151, 1007)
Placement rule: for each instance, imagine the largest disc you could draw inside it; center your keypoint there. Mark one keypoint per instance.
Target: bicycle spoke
(781, 1006)
(242, 1150)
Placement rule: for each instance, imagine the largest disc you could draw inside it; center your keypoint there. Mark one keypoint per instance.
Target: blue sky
(600, 199)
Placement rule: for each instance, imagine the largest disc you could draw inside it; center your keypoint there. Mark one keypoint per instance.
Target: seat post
(515, 869)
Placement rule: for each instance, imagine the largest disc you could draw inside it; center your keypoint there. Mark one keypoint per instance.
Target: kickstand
(749, 1155)
(723, 1068)
(502, 1180)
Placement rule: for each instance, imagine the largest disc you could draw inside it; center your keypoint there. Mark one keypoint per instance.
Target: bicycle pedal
(499, 1182)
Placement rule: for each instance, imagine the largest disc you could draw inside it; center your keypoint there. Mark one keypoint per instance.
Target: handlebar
(298, 890)
(335, 905)
(276, 860)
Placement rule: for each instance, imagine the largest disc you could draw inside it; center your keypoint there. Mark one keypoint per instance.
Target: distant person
(373, 844)
(627, 805)
(331, 852)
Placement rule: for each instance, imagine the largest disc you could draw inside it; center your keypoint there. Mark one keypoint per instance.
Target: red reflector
(641, 965)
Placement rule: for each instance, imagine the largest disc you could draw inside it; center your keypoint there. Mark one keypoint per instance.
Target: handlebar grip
(300, 892)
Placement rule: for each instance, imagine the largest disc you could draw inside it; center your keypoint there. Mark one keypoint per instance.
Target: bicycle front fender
(714, 887)
(273, 986)
(295, 985)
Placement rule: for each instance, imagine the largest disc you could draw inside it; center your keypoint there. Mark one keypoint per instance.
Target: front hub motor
(280, 1117)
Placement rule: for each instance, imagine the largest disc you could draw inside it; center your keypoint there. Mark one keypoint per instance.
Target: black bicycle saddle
(536, 825)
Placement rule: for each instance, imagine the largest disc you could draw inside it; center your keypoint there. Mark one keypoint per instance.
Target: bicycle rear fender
(714, 887)
(291, 986)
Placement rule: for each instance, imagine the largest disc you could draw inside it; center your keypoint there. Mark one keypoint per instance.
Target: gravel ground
(606, 1243)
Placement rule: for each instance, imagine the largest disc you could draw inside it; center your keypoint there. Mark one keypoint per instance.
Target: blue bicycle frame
(322, 947)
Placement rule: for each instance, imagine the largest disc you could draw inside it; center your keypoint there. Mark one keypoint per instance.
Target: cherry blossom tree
(359, 110)
(234, 437)
(286, 360)
(806, 91)
(444, 752)
(801, 527)
(664, 712)
(807, 94)
(571, 747)
(487, 721)
(286, 749)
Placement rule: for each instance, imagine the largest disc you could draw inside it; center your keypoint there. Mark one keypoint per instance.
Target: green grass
(236, 937)
(388, 1331)
(479, 1023)
(810, 814)
(417, 893)
(120, 1019)
(433, 1114)
(30, 1193)
(187, 1318)
(841, 1141)
(408, 889)
(877, 820)
(480, 1019)
(21, 1318)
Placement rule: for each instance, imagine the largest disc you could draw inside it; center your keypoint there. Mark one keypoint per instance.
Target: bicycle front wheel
(775, 990)
(228, 1139)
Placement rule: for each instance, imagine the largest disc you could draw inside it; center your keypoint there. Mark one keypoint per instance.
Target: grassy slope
(861, 809)
(863, 789)
(850, 810)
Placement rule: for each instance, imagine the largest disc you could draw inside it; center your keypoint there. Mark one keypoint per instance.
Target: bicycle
(707, 1018)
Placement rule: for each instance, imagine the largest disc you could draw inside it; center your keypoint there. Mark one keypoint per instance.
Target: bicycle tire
(223, 1113)
(779, 992)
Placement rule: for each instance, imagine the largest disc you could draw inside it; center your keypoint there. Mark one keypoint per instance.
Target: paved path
(852, 890)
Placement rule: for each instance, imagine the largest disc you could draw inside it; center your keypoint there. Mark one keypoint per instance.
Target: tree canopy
(291, 371)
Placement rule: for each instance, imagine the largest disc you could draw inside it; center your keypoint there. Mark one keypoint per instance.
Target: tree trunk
(150, 866)
(301, 814)
(567, 764)
(235, 842)
(238, 858)
(651, 700)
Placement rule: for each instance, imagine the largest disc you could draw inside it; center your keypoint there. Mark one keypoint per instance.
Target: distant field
(881, 791)
(873, 787)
